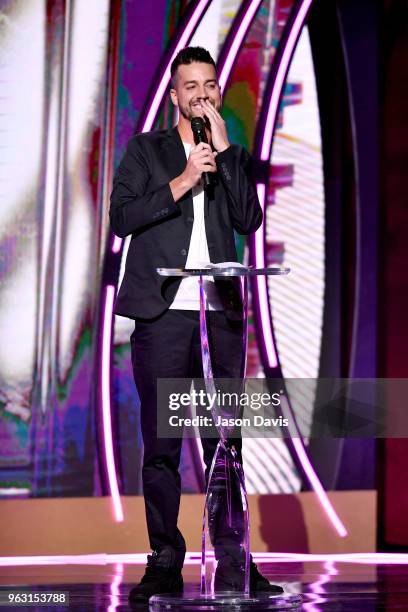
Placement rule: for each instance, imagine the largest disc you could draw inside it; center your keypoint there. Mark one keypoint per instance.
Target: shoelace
(152, 572)
(152, 558)
(154, 565)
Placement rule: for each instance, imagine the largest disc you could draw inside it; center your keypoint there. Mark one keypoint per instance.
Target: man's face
(193, 83)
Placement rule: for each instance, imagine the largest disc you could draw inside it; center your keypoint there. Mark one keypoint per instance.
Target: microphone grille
(197, 124)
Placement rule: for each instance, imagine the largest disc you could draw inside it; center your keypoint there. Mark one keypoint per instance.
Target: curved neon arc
(280, 78)
(262, 285)
(185, 36)
(241, 31)
(261, 295)
(106, 404)
(263, 300)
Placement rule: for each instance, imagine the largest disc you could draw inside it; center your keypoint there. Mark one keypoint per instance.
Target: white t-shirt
(188, 296)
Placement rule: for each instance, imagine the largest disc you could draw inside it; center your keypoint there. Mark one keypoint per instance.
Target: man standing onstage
(158, 198)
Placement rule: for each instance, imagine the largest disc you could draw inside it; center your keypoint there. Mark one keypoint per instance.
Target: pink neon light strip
(164, 81)
(318, 488)
(280, 78)
(317, 588)
(260, 259)
(237, 42)
(312, 476)
(117, 243)
(114, 588)
(262, 284)
(106, 404)
(194, 558)
(311, 607)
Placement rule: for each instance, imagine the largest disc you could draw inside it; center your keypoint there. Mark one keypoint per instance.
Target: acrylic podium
(225, 551)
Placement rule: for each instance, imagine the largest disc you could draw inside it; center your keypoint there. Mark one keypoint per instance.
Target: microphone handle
(206, 176)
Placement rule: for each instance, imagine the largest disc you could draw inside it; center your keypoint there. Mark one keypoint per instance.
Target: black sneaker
(162, 575)
(258, 583)
(229, 576)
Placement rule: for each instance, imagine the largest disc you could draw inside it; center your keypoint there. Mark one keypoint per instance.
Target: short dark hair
(188, 55)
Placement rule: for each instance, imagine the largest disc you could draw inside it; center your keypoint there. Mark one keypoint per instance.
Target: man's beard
(188, 113)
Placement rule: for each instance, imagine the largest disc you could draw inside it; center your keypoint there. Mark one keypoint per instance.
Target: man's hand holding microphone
(201, 161)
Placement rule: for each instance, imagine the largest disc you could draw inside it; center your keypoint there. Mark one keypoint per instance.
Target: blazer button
(183, 252)
(190, 219)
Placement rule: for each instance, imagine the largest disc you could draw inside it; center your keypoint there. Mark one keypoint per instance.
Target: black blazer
(142, 205)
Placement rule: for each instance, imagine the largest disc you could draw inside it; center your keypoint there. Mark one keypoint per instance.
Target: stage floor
(324, 585)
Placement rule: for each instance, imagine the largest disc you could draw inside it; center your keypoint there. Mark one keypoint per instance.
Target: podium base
(224, 601)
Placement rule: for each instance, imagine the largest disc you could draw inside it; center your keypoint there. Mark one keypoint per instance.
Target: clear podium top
(224, 270)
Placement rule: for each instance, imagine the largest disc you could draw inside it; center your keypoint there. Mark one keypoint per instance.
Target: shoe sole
(176, 588)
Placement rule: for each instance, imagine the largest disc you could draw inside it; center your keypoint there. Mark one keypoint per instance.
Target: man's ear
(173, 96)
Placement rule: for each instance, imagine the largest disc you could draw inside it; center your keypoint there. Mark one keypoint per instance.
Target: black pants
(169, 347)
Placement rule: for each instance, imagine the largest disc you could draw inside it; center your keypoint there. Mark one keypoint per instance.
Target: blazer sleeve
(132, 205)
(235, 168)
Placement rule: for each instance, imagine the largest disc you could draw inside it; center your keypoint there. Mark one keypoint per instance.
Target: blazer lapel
(177, 162)
(176, 154)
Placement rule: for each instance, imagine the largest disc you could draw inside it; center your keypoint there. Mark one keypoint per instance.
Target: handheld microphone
(198, 128)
